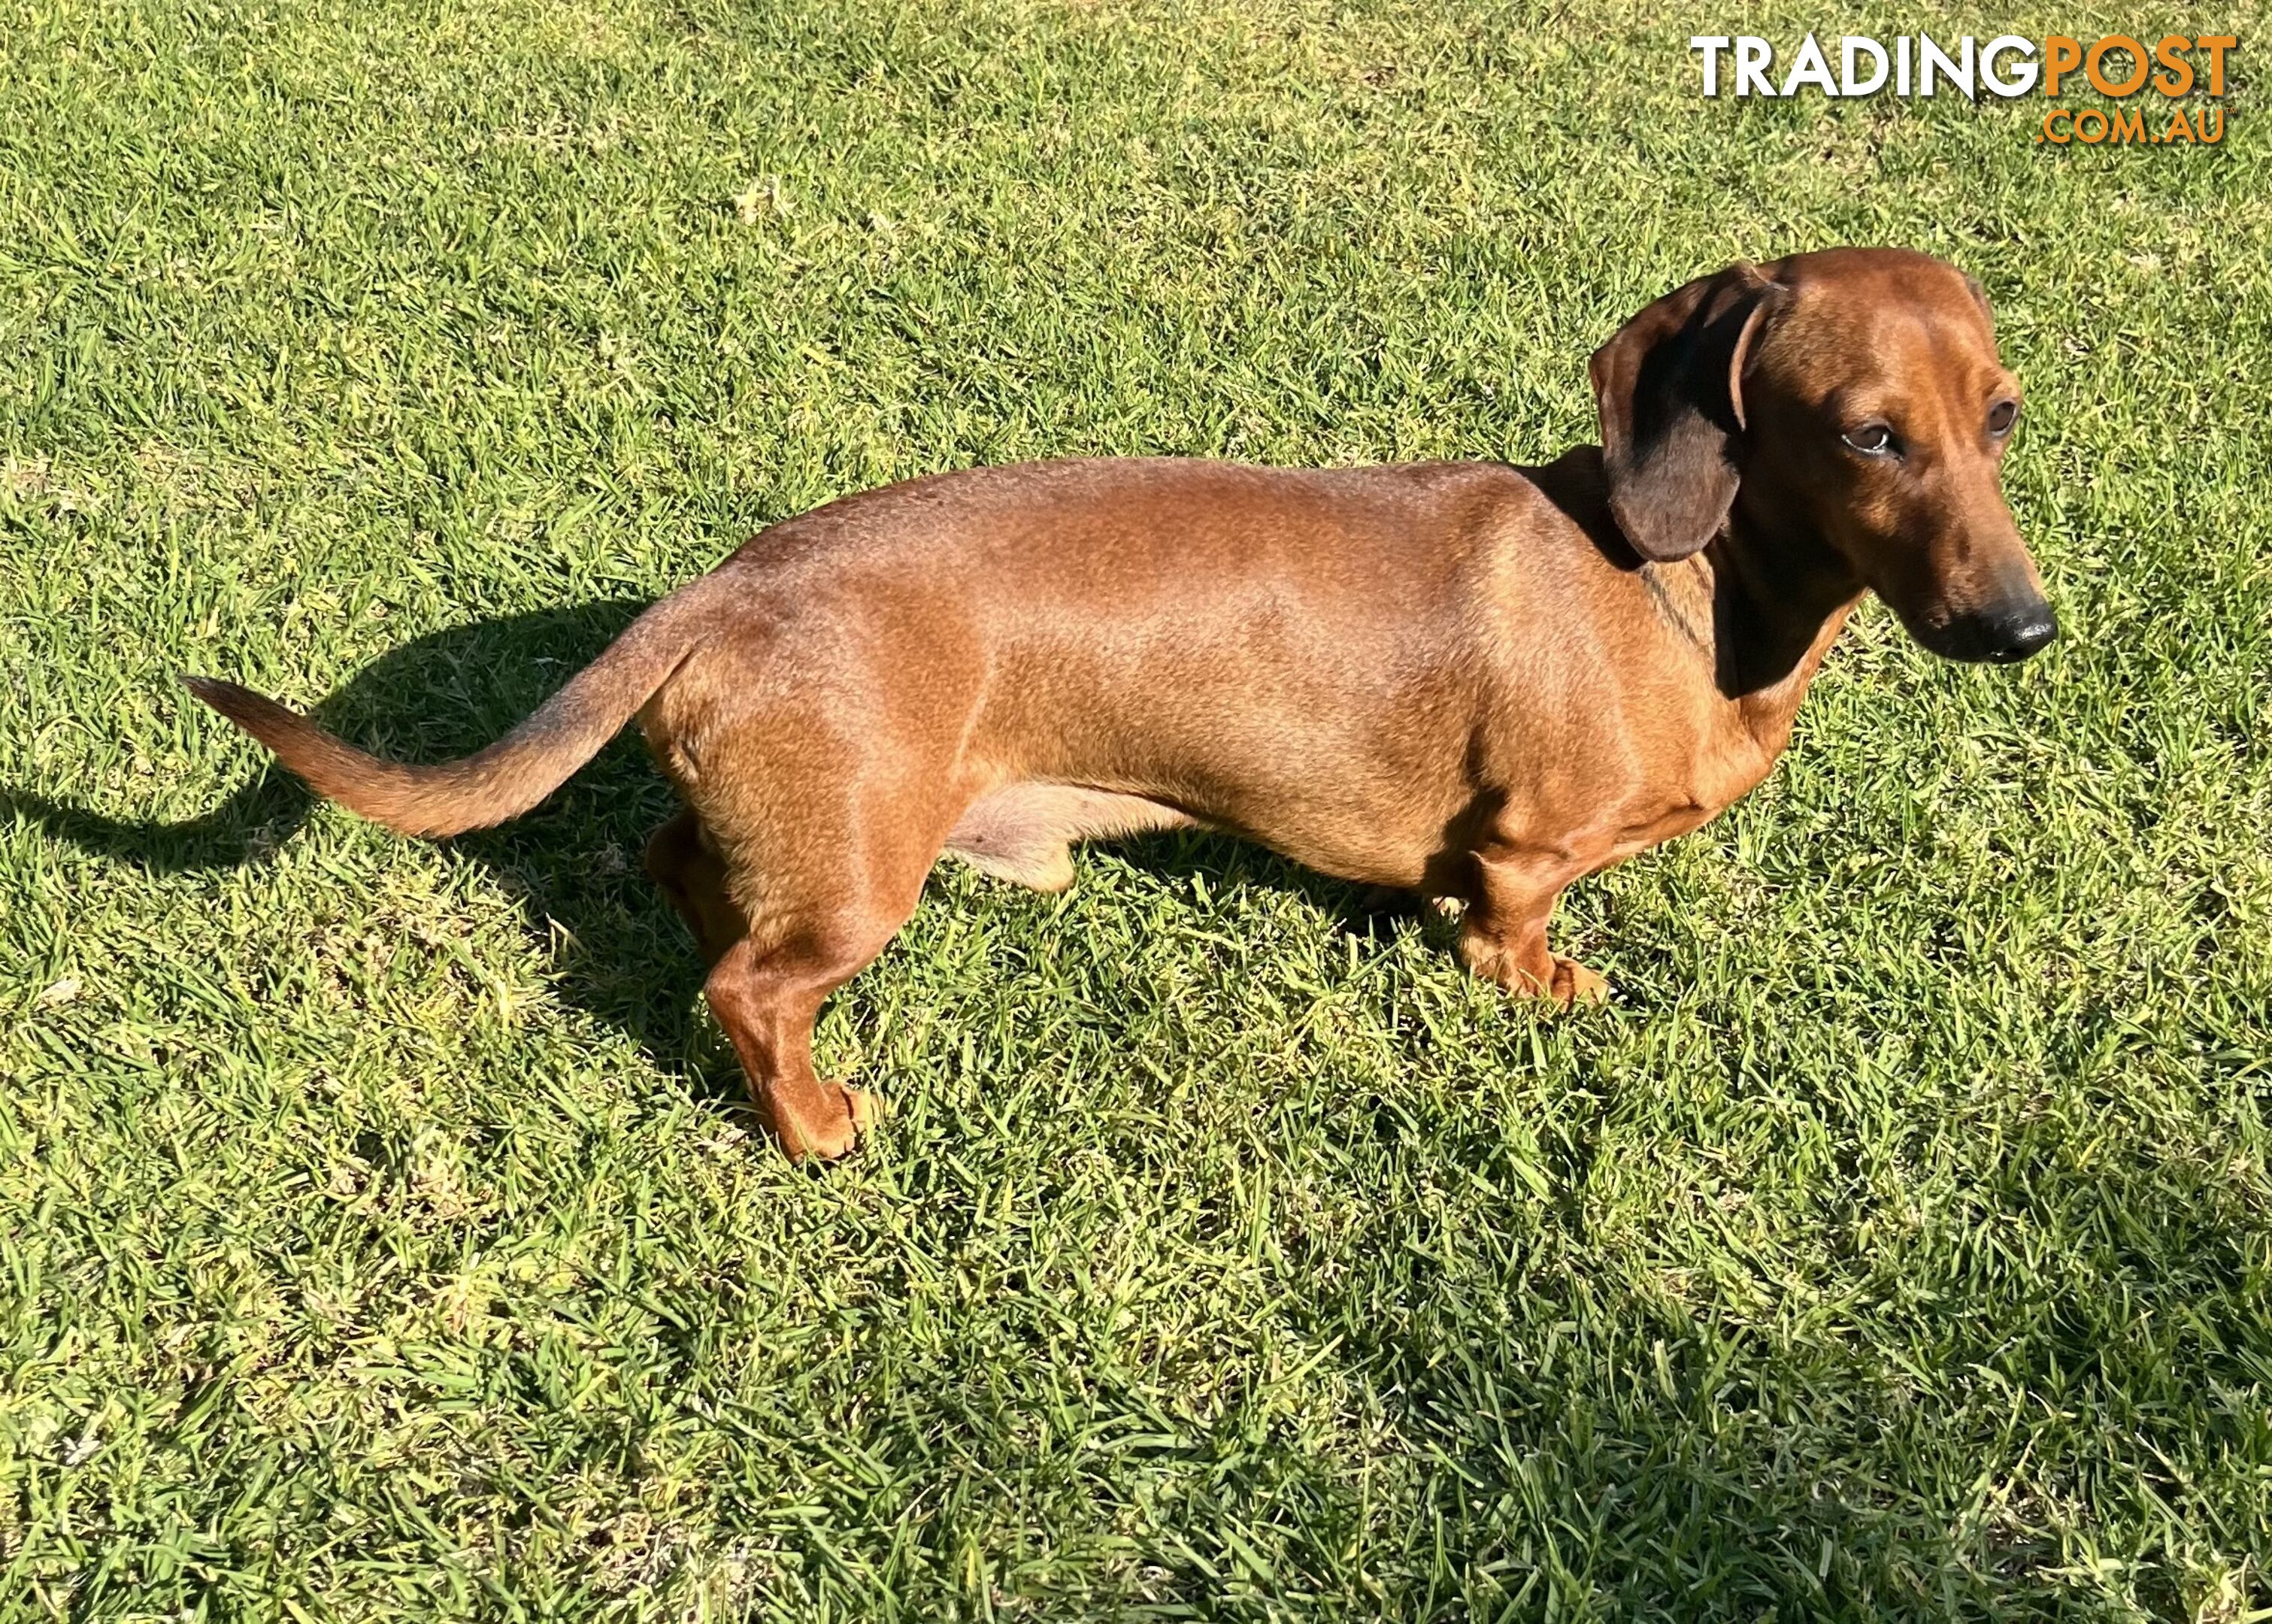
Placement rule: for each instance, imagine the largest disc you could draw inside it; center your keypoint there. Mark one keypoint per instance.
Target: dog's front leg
(1503, 937)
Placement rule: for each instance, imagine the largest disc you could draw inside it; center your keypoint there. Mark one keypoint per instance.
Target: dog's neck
(1763, 600)
(1779, 597)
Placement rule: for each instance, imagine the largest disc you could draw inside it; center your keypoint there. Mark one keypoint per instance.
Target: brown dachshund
(1469, 680)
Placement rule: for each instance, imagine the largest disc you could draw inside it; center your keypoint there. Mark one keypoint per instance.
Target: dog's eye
(2001, 416)
(1872, 439)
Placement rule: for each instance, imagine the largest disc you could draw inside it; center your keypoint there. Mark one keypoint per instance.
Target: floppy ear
(1670, 389)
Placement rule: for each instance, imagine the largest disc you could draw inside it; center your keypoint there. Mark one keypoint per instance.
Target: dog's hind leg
(767, 1002)
(687, 870)
(810, 902)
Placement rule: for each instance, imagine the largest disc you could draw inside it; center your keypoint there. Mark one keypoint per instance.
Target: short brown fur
(1467, 680)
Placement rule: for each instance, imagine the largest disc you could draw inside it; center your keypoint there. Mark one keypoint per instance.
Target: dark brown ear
(1670, 389)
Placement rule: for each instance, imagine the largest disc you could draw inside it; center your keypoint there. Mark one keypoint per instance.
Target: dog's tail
(507, 778)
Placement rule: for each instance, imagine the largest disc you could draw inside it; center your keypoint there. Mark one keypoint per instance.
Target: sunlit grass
(381, 1236)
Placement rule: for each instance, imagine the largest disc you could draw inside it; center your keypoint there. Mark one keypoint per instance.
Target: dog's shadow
(575, 863)
(621, 954)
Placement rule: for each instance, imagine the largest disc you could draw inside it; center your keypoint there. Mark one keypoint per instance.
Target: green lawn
(380, 1233)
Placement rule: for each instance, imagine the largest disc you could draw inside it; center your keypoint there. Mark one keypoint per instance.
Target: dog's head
(1853, 397)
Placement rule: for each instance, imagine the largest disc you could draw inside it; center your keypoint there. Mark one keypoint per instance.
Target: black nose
(2013, 634)
(2005, 634)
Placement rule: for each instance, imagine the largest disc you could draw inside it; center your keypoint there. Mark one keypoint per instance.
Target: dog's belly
(1022, 832)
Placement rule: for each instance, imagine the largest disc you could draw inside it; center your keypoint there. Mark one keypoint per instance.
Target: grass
(382, 1238)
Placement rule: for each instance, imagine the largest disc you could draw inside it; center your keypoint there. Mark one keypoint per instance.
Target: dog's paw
(805, 1139)
(1574, 984)
(1566, 982)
